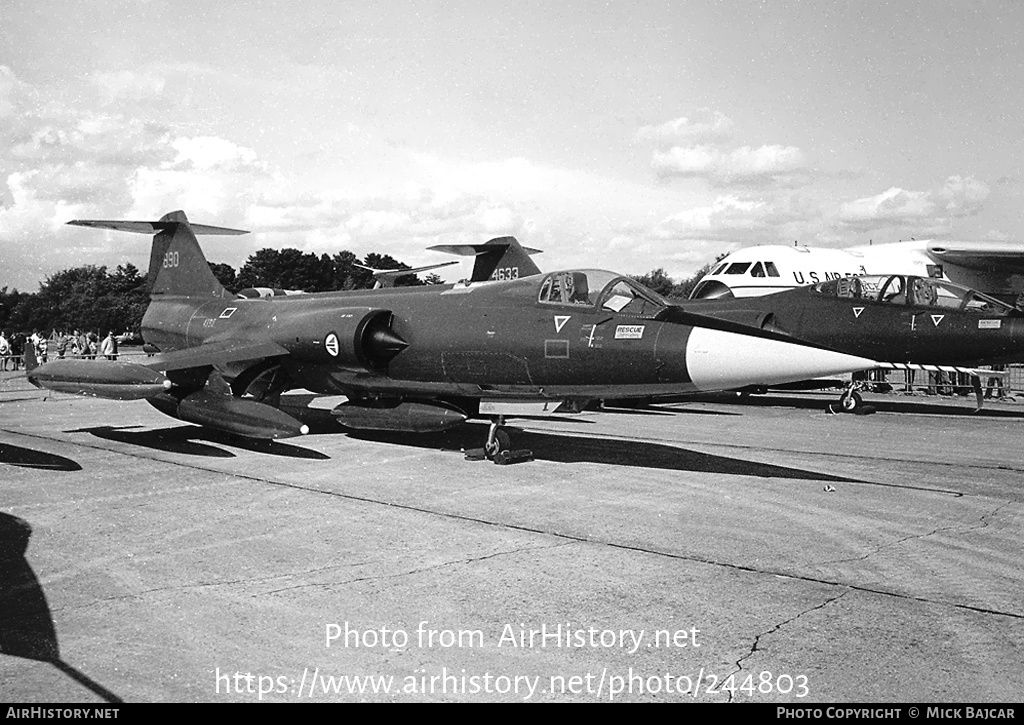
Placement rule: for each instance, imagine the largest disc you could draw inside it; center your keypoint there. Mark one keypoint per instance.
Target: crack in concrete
(954, 528)
(757, 639)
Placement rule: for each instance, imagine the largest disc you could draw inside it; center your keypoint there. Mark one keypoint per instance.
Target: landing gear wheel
(850, 401)
(498, 445)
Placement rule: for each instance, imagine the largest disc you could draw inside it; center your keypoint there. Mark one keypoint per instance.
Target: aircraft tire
(501, 446)
(850, 401)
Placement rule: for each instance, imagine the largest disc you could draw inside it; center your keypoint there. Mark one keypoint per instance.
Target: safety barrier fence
(948, 383)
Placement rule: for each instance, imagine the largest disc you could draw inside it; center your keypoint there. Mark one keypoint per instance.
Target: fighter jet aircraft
(995, 268)
(419, 358)
(903, 321)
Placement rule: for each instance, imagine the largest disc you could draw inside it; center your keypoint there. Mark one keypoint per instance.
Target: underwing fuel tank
(112, 379)
(240, 416)
(406, 416)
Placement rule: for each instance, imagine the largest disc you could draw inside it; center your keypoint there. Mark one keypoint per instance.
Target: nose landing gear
(498, 447)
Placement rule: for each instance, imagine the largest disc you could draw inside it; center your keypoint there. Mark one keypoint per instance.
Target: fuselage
(523, 338)
(994, 268)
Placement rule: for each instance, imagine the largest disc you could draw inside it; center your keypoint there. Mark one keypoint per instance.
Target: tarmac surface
(713, 550)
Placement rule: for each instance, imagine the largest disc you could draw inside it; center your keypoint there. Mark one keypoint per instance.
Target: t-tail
(498, 259)
(177, 265)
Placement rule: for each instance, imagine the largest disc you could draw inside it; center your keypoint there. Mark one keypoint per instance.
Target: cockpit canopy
(899, 289)
(601, 290)
(756, 269)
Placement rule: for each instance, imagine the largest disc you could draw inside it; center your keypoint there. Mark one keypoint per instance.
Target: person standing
(18, 342)
(108, 348)
(5, 349)
(39, 342)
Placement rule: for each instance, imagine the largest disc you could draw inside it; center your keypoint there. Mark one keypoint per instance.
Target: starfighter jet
(419, 358)
(906, 322)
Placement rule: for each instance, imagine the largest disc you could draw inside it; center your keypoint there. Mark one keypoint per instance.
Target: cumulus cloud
(441, 200)
(707, 126)
(209, 152)
(128, 85)
(744, 165)
(95, 139)
(700, 149)
(733, 218)
(926, 211)
(209, 175)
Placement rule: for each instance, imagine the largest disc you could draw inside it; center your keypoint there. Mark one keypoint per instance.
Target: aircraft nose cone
(721, 360)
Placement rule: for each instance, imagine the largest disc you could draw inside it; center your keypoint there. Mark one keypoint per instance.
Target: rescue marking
(560, 321)
(331, 344)
(629, 332)
(857, 311)
(938, 318)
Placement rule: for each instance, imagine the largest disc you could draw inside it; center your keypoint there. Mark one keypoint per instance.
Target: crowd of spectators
(59, 344)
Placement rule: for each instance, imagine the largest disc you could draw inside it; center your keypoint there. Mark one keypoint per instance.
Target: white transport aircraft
(995, 268)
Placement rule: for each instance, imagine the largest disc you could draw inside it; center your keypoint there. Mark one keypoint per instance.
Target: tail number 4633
(170, 260)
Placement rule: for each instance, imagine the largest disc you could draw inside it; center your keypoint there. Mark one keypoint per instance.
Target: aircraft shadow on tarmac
(29, 458)
(185, 440)
(656, 410)
(584, 449)
(545, 446)
(919, 405)
(26, 625)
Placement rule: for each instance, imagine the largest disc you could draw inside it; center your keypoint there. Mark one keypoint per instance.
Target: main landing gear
(498, 447)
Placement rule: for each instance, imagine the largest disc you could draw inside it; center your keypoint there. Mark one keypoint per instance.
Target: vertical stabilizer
(499, 258)
(177, 265)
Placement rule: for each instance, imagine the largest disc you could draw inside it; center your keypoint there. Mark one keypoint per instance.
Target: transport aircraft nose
(720, 360)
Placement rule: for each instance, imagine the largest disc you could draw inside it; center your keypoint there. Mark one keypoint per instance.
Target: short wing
(150, 227)
(997, 256)
(221, 352)
(387, 277)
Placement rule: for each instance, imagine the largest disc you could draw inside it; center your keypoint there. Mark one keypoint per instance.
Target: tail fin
(176, 263)
(500, 258)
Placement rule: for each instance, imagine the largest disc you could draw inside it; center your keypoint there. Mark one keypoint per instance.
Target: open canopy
(900, 289)
(602, 290)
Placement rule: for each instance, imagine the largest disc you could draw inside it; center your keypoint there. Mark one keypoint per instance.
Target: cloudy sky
(624, 135)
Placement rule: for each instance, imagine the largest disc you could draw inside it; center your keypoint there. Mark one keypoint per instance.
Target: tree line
(659, 281)
(95, 298)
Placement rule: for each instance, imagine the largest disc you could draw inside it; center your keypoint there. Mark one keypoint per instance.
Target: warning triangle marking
(937, 319)
(857, 311)
(560, 321)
